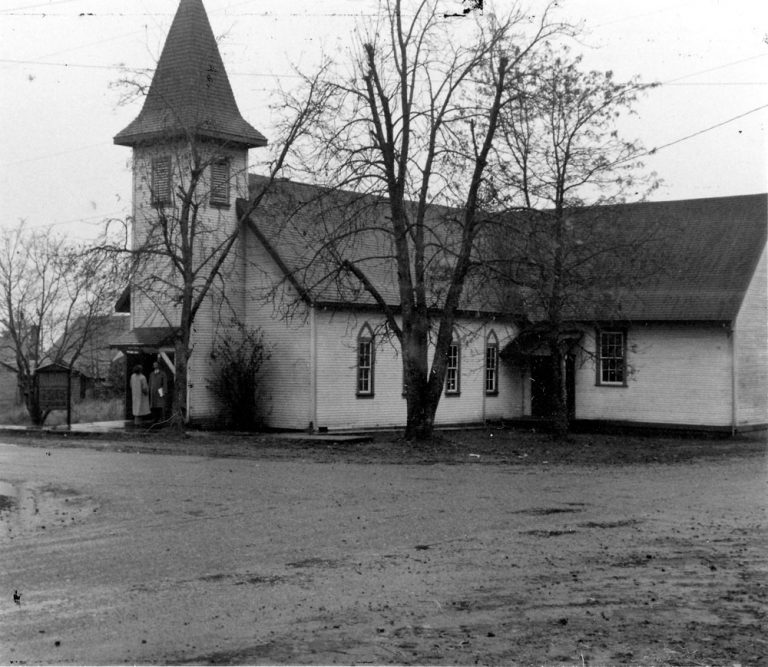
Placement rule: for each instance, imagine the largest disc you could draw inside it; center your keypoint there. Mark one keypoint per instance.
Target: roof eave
(138, 138)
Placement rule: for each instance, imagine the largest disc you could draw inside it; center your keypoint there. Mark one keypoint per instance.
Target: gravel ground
(489, 547)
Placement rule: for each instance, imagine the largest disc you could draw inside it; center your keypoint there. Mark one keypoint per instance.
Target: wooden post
(69, 398)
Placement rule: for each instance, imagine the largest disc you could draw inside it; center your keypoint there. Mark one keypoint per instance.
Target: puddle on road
(8, 498)
(546, 511)
(26, 508)
(7, 503)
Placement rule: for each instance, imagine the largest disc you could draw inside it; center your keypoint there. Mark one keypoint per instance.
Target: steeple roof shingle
(190, 92)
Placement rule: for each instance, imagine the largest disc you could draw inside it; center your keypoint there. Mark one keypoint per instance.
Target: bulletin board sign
(52, 386)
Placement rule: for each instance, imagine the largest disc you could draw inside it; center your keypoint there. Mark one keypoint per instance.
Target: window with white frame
(161, 181)
(453, 369)
(611, 358)
(220, 182)
(491, 364)
(365, 361)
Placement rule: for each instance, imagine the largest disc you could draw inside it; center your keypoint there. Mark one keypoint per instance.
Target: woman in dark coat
(158, 391)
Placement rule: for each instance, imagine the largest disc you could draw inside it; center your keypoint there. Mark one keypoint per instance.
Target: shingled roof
(310, 230)
(712, 251)
(190, 91)
(713, 247)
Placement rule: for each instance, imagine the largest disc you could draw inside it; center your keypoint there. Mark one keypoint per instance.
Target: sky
(60, 108)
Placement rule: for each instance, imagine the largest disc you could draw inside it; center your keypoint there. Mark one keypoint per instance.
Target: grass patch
(83, 412)
(477, 447)
(14, 415)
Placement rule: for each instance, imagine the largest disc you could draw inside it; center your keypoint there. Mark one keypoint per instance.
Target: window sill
(220, 204)
(364, 395)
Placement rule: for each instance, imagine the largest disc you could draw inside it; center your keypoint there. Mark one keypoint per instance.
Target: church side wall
(300, 339)
(224, 302)
(285, 379)
(751, 346)
(677, 374)
(339, 406)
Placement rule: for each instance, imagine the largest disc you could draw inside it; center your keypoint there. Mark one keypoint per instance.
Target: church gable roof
(712, 253)
(713, 248)
(295, 222)
(190, 91)
(312, 232)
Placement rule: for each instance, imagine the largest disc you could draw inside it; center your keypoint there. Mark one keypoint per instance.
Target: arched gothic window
(453, 368)
(491, 363)
(365, 362)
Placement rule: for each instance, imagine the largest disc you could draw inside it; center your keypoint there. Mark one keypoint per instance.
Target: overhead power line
(714, 69)
(131, 69)
(655, 150)
(75, 65)
(719, 83)
(39, 4)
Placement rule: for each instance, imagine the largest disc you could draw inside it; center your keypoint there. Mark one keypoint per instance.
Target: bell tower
(190, 165)
(190, 94)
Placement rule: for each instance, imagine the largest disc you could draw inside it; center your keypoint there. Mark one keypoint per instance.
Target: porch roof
(146, 338)
(532, 341)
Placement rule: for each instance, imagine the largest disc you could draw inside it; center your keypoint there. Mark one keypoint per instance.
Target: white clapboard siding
(225, 300)
(678, 374)
(151, 305)
(285, 380)
(339, 407)
(751, 346)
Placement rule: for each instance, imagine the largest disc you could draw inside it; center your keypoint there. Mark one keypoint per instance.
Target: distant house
(92, 368)
(93, 372)
(690, 349)
(10, 396)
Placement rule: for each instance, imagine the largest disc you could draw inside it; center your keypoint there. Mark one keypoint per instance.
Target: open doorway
(541, 386)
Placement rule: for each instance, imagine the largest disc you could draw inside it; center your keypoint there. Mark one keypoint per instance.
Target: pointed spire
(190, 91)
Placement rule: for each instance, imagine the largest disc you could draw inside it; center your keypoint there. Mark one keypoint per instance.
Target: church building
(691, 352)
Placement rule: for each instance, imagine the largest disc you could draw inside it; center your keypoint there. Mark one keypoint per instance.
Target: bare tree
(404, 128)
(563, 170)
(54, 296)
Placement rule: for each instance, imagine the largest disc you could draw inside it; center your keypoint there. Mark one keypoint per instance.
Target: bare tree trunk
(423, 386)
(421, 402)
(69, 397)
(32, 400)
(179, 409)
(420, 421)
(558, 391)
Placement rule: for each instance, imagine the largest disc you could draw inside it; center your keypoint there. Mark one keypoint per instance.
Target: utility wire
(51, 155)
(671, 82)
(713, 69)
(40, 4)
(70, 65)
(655, 150)
(125, 68)
(719, 83)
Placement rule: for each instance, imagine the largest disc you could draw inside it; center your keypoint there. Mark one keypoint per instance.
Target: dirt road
(139, 558)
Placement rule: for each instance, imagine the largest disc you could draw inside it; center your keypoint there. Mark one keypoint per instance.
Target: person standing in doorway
(158, 390)
(139, 395)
